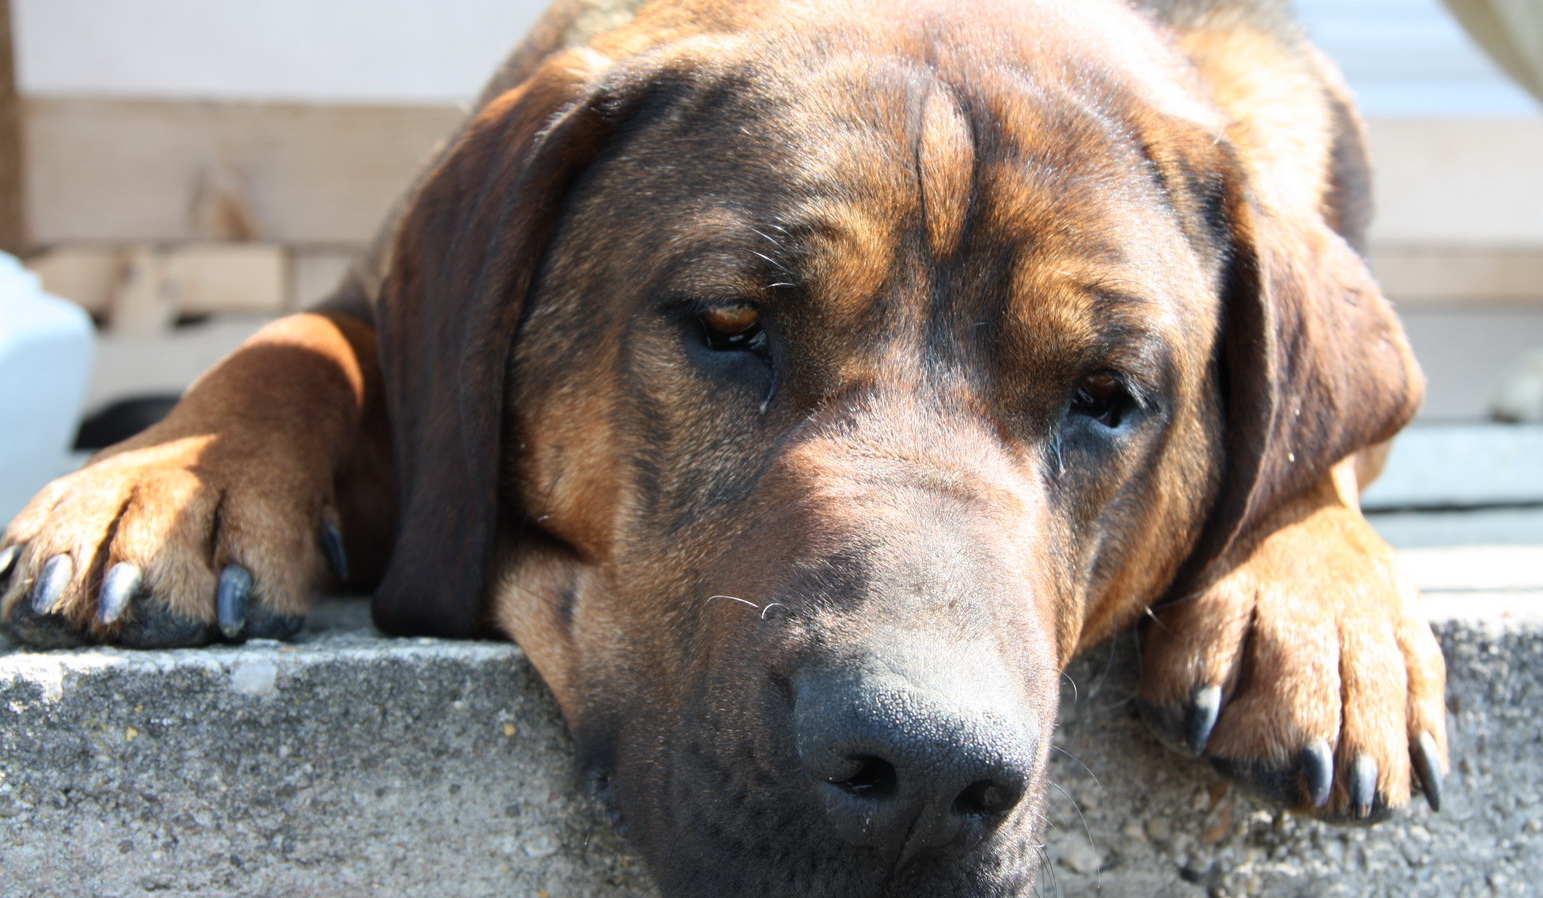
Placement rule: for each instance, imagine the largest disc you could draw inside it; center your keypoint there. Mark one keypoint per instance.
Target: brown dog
(802, 384)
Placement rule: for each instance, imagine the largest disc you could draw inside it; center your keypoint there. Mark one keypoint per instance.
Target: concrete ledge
(351, 765)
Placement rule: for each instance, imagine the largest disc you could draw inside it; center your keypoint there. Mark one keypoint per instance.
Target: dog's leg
(220, 520)
(1306, 672)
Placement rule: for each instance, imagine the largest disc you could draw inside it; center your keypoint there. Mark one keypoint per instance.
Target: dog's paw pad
(147, 625)
(158, 628)
(1307, 780)
(34, 618)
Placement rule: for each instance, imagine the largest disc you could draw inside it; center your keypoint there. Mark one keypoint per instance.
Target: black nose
(908, 762)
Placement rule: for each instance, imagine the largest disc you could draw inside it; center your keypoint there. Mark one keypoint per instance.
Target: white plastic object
(45, 362)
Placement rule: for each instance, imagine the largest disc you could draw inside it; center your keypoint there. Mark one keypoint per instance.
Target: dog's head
(802, 392)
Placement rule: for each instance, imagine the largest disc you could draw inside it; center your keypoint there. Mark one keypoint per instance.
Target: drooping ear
(1314, 366)
(461, 267)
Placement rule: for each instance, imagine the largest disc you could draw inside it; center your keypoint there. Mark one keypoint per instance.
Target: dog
(802, 385)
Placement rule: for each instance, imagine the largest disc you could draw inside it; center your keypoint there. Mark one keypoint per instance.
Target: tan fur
(1312, 635)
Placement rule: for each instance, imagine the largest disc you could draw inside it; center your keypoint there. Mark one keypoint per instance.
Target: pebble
(541, 846)
(254, 678)
(1081, 857)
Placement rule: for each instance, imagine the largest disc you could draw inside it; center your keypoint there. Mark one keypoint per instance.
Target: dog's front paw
(1306, 674)
(177, 543)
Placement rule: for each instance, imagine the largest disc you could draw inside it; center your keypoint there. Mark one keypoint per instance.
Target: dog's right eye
(733, 328)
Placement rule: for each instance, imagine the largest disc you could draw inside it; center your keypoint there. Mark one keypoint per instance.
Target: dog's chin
(1005, 868)
(759, 840)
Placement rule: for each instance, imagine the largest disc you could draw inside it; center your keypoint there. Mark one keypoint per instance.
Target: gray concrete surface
(346, 765)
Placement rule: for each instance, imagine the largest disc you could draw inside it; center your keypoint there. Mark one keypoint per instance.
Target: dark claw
(1205, 707)
(1363, 786)
(119, 588)
(8, 557)
(49, 588)
(1318, 772)
(1184, 727)
(1427, 766)
(274, 626)
(230, 600)
(332, 546)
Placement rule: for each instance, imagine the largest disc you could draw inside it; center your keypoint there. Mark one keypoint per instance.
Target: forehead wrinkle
(945, 158)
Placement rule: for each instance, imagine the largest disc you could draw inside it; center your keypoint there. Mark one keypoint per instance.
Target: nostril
(870, 777)
(986, 798)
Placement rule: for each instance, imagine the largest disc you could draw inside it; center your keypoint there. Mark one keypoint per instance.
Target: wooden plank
(315, 273)
(144, 289)
(1447, 275)
(13, 224)
(166, 171)
(215, 278)
(1513, 532)
(87, 275)
(1461, 466)
(142, 304)
(1456, 181)
(1471, 567)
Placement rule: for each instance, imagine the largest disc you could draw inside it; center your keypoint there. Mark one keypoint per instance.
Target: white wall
(1411, 58)
(388, 51)
(1404, 57)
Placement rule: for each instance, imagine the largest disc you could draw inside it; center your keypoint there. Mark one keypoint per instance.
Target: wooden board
(1459, 466)
(164, 171)
(145, 289)
(1446, 275)
(1458, 182)
(1457, 199)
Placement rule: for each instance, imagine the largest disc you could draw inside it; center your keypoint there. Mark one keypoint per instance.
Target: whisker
(1086, 830)
(1068, 678)
(1048, 865)
(772, 262)
(1091, 775)
(766, 237)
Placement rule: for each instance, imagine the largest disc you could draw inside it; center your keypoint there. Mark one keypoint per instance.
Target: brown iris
(733, 327)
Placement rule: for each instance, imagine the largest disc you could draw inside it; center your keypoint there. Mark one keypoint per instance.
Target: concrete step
(350, 765)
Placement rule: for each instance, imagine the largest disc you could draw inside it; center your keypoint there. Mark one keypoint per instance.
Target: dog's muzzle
(912, 752)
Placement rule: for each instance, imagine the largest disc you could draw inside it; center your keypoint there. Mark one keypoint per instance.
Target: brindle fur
(949, 214)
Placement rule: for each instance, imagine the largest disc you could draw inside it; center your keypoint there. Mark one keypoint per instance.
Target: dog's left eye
(733, 328)
(1103, 398)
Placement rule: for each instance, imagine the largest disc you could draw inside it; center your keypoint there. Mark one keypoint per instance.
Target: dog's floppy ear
(462, 264)
(1314, 366)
